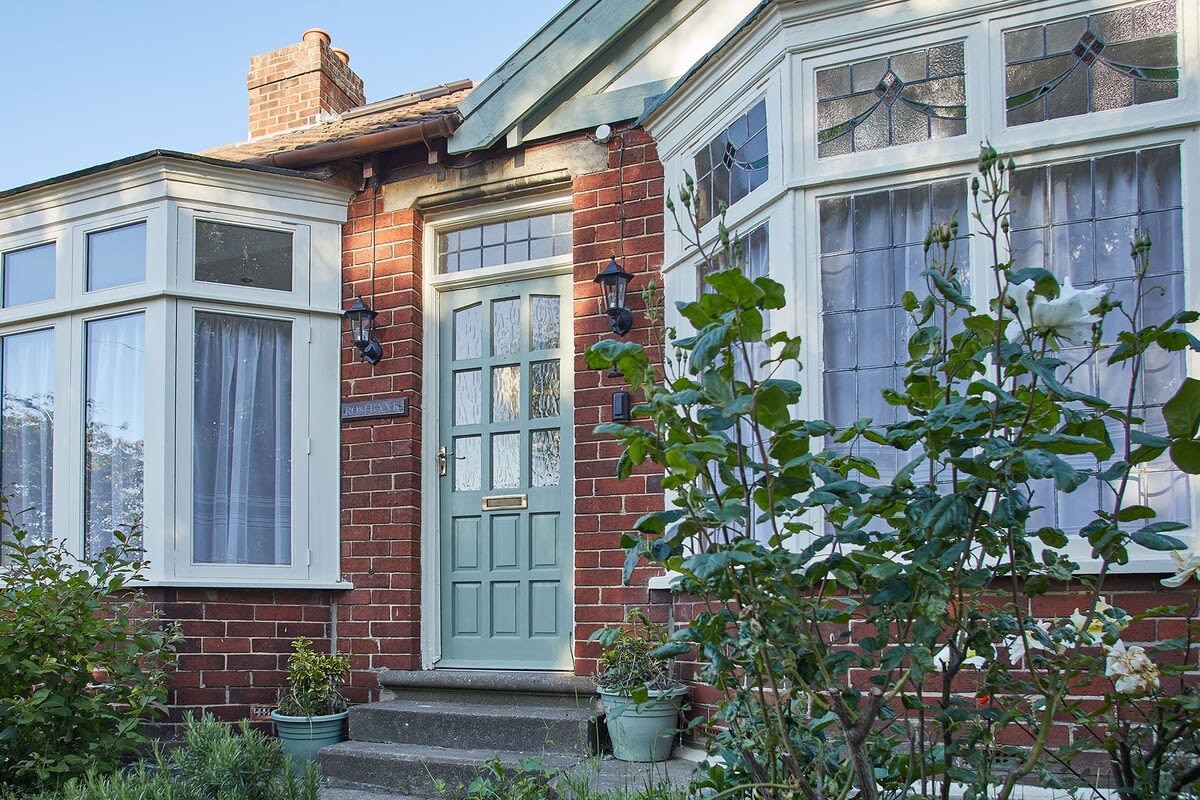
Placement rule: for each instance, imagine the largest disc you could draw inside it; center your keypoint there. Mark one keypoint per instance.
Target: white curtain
(115, 432)
(243, 441)
(27, 430)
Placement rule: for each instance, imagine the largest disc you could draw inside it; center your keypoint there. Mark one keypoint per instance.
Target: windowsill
(218, 583)
(668, 581)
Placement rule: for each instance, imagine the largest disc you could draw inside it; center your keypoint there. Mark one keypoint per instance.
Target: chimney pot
(342, 54)
(315, 35)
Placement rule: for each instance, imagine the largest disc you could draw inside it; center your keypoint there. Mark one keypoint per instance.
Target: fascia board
(555, 55)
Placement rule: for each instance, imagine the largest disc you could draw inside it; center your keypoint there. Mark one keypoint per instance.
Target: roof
(404, 111)
(148, 155)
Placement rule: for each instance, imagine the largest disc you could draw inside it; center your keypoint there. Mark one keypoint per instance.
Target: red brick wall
(292, 86)
(605, 507)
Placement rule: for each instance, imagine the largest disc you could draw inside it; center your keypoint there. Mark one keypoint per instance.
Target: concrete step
(479, 726)
(417, 770)
(489, 687)
(335, 793)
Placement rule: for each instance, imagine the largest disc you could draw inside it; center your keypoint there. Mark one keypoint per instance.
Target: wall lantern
(613, 281)
(362, 331)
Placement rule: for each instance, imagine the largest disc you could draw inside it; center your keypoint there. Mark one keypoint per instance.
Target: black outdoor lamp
(614, 280)
(362, 331)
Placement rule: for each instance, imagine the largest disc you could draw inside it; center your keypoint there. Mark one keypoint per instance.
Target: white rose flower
(942, 658)
(1067, 317)
(1189, 568)
(1131, 670)
(1017, 644)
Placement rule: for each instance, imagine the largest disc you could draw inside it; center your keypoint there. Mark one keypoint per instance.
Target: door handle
(442, 454)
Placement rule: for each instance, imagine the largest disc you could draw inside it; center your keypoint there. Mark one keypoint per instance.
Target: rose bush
(864, 627)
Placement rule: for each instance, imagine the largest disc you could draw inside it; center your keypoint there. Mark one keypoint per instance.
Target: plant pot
(643, 731)
(302, 737)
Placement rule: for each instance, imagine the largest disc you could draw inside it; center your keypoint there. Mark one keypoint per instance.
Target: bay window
(169, 368)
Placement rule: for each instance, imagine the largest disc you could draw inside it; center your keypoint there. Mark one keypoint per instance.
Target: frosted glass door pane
(27, 430)
(506, 393)
(544, 328)
(468, 333)
(506, 326)
(544, 455)
(467, 462)
(543, 389)
(506, 460)
(116, 423)
(467, 397)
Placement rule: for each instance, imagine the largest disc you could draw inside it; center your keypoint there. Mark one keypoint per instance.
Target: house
(837, 132)
(447, 506)
(443, 503)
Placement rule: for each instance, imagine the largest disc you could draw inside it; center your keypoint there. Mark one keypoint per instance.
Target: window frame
(312, 213)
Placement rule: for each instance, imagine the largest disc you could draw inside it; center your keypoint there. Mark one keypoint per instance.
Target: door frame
(435, 285)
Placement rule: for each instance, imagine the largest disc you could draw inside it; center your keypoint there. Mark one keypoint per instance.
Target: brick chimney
(300, 85)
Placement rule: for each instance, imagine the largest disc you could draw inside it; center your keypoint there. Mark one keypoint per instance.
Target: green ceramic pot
(302, 737)
(643, 731)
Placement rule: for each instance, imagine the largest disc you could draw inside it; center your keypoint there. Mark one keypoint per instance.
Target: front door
(505, 461)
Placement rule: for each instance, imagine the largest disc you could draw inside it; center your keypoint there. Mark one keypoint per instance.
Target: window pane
(29, 275)
(509, 242)
(115, 435)
(1091, 63)
(116, 257)
(241, 256)
(909, 97)
(730, 166)
(27, 430)
(242, 481)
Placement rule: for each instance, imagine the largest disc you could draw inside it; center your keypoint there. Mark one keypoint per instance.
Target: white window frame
(169, 297)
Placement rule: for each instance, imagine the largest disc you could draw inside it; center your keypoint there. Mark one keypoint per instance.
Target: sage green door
(505, 464)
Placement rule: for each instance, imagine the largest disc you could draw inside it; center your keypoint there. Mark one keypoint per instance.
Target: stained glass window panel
(900, 99)
(1113, 59)
(733, 164)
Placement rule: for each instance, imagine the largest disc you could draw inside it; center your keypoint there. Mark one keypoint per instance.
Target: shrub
(84, 661)
(873, 632)
(215, 762)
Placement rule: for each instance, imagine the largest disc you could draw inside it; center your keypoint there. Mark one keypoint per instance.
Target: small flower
(1067, 317)
(942, 659)
(1131, 670)
(1188, 568)
(1020, 644)
(1095, 629)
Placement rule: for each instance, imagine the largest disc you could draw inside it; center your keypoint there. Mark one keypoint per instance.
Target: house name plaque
(370, 409)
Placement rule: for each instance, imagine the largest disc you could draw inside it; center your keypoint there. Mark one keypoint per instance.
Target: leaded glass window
(505, 242)
(892, 100)
(1115, 59)
(872, 251)
(733, 164)
(1077, 220)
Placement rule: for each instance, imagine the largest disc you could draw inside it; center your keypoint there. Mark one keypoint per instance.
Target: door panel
(506, 489)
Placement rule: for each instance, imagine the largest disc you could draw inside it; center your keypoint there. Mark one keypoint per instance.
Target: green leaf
(1182, 412)
(1186, 455)
(1132, 513)
(1156, 541)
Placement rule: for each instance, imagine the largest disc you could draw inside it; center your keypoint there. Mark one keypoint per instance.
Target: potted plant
(312, 712)
(641, 700)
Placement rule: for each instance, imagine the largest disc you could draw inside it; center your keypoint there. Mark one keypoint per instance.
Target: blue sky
(88, 82)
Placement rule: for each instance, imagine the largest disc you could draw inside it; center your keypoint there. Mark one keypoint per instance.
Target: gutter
(425, 131)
